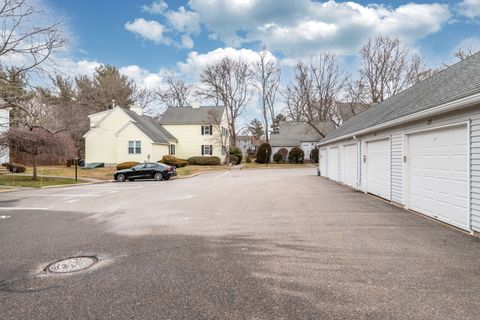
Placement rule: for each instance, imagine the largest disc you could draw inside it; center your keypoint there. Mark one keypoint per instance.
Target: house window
(172, 149)
(134, 147)
(207, 149)
(207, 130)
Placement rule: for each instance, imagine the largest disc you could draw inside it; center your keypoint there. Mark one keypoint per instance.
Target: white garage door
(378, 168)
(438, 174)
(323, 162)
(350, 165)
(332, 165)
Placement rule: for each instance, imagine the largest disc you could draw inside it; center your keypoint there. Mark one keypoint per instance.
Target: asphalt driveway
(250, 244)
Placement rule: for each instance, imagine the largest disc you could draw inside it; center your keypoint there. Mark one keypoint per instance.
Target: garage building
(419, 149)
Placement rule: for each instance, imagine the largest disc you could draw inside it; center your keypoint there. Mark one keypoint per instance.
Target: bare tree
(462, 54)
(267, 74)
(388, 67)
(25, 43)
(316, 88)
(176, 93)
(228, 82)
(38, 131)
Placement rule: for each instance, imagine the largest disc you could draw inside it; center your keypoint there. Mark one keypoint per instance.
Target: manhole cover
(71, 264)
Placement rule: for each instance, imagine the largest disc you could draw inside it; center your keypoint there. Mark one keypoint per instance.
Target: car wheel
(166, 177)
(158, 176)
(120, 177)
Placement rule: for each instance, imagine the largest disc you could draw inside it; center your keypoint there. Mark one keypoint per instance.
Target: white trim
(447, 107)
(365, 153)
(405, 181)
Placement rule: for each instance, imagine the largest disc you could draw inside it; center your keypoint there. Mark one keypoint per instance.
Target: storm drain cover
(71, 264)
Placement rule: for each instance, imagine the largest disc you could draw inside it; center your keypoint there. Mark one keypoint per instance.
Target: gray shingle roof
(291, 133)
(458, 81)
(189, 115)
(150, 127)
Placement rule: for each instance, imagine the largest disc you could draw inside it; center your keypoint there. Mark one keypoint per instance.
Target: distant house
(4, 127)
(299, 134)
(121, 134)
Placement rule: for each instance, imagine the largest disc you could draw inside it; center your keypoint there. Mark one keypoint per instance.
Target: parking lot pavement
(253, 244)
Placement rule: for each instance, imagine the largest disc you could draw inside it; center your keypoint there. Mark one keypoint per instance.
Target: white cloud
(148, 29)
(187, 41)
(470, 8)
(184, 20)
(143, 78)
(156, 7)
(195, 62)
(297, 27)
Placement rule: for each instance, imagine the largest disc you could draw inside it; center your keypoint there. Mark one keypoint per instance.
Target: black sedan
(147, 170)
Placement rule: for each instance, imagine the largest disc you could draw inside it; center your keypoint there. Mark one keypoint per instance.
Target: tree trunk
(34, 165)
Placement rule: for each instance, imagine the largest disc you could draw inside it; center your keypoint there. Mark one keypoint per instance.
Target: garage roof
(455, 82)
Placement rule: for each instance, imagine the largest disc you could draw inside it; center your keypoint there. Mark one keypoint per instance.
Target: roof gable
(456, 82)
(292, 133)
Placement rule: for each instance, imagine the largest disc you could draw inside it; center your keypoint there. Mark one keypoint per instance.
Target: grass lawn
(26, 181)
(254, 165)
(63, 171)
(107, 173)
(188, 170)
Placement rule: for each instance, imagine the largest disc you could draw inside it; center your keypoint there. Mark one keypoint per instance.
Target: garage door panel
(378, 168)
(438, 174)
(332, 165)
(350, 165)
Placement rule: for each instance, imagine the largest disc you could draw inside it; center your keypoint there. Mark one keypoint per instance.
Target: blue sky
(148, 37)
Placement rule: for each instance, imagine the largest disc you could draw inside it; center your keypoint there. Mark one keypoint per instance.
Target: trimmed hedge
(234, 159)
(235, 151)
(296, 155)
(174, 161)
(264, 153)
(248, 159)
(15, 167)
(127, 165)
(204, 161)
(277, 157)
(314, 155)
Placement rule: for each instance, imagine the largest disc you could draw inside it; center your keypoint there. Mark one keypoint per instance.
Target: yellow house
(120, 134)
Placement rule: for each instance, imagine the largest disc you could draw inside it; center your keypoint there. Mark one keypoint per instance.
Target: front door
(306, 147)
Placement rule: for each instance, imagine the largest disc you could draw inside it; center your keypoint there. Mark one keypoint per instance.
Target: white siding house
(419, 149)
(4, 127)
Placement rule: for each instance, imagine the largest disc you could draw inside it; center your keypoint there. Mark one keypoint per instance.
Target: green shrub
(248, 159)
(233, 159)
(314, 155)
(277, 157)
(174, 161)
(296, 155)
(237, 152)
(284, 153)
(127, 165)
(264, 153)
(204, 160)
